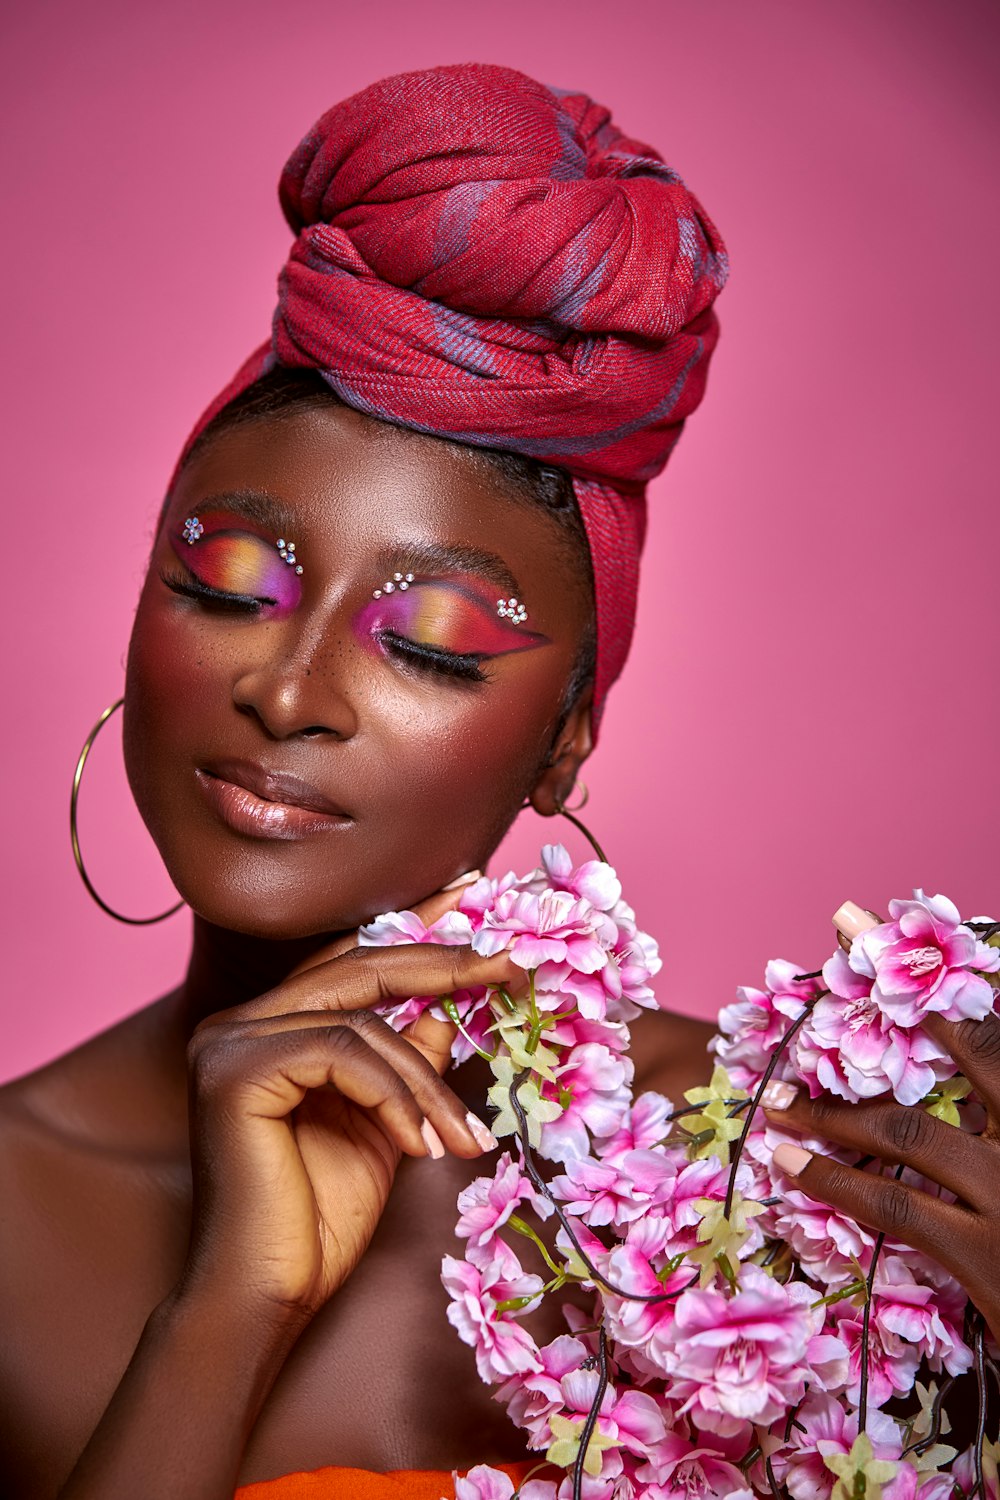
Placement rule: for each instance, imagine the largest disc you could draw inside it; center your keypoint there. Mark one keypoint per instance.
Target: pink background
(810, 710)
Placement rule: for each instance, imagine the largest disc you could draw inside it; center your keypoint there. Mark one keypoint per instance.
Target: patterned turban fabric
(487, 259)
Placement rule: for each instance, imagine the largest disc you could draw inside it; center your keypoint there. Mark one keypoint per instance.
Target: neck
(228, 968)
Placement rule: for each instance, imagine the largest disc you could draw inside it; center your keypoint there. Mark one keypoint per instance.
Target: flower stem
(755, 1102)
(520, 1227)
(866, 1318)
(981, 1407)
(451, 1011)
(595, 1407)
(542, 1186)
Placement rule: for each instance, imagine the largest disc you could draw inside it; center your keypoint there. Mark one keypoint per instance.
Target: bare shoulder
(91, 1223)
(670, 1052)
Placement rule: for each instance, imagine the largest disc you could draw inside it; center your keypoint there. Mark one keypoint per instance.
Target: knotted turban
(487, 259)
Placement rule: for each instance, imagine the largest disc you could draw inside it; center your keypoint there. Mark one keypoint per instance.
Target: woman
(393, 579)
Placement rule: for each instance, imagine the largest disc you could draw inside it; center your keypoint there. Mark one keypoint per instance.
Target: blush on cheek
(451, 617)
(237, 563)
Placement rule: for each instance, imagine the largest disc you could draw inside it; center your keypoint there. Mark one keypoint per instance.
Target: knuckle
(983, 1040)
(209, 1070)
(906, 1130)
(361, 1022)
(208, 1053)
(823, 1110)
(895, 1207)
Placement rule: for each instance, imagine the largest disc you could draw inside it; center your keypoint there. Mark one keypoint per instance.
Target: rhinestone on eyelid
(400, 581)
(513, 610)
(192, 530)
(286, 550)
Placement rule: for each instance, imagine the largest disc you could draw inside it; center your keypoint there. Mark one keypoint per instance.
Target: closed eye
(467, 665)
(193, 589)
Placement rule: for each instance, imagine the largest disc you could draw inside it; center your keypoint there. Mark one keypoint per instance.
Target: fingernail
(483, 1136)
(778, 1094)
(850, 919)
(433, 1142)
(791, 1159)
(465, 879)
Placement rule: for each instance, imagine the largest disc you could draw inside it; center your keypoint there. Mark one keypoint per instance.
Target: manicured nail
(465, 879)
(850, 919)
(433, 1142)
(778, 1094)
(791, 1159)
(483, 1136)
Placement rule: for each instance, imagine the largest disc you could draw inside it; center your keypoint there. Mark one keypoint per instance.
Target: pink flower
(745, 1359)
(682, 1470)
(592, 1086)
(593, 881)
(620, 989)
(503, 1348)
(646, 1329)
(551, 927)
(822, 1428)
(532, 1396)
(479, 897)
(892, 1363)
(606, 1193)
(923, 961)
(630, 1419)
(395, 927)
(850, 1047)
(824, 1240)
(695, 1182)
(484, 1483)
(918, 1314)
(644, 1124)
(752, 1028)
(488, 1202)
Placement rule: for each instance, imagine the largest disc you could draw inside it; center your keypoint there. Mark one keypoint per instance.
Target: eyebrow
(439, 557)
(411, 557)
(253, 505)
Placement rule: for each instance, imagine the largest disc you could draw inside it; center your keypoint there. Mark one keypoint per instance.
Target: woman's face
(304, 753)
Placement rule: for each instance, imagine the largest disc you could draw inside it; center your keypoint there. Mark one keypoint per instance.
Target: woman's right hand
(302, 1102)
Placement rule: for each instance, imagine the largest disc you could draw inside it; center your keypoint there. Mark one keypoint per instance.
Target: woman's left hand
(964, 1237)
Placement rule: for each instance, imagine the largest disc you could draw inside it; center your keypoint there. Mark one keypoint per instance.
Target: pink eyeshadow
(448, 616)
(236, 562)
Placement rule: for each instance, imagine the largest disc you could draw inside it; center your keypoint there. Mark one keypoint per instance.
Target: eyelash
(433, 659)
(468, 667)
(238, 603)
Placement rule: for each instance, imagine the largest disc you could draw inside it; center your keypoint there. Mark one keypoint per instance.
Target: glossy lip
(268, 804)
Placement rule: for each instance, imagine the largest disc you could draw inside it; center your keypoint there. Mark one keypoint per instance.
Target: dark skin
(222, 1224)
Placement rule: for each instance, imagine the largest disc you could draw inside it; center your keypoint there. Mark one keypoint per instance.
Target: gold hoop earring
(570, 815)
(584, 797)
(75, 837)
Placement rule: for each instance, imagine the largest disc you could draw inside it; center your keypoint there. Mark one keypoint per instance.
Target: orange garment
(362, 1484)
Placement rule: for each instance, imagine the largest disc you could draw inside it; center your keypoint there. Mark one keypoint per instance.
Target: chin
(236, 899)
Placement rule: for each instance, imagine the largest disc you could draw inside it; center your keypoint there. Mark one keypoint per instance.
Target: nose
(296, 690)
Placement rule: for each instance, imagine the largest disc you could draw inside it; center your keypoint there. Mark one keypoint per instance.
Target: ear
(574, 744)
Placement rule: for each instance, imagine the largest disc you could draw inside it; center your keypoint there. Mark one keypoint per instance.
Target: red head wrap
(490, 260)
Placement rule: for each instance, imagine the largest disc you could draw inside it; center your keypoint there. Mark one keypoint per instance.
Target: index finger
(975, 1046)
(428, 910)
(365, 977)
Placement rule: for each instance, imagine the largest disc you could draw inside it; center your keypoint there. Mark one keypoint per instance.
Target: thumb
(433, 1038)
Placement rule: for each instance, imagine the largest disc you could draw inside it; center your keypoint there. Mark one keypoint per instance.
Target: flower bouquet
(725, 1334)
